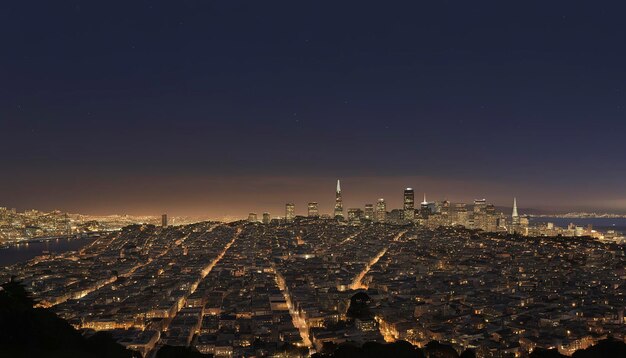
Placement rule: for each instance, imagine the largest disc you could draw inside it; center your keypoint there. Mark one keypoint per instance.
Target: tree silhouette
(359, 306)
(38, 332)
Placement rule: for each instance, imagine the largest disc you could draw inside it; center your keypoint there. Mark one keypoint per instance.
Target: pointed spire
(338, 201)
(424, 202)
(514, 207)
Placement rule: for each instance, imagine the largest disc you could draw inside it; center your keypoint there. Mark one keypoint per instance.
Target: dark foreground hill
(26, 331)
(29, 332)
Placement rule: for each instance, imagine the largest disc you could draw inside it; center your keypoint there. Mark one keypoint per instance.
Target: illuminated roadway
(298, 321)
(204, 273)
(357, 283)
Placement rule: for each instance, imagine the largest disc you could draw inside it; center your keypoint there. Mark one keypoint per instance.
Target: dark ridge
(26, 331)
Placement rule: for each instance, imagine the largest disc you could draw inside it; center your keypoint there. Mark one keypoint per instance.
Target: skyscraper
(252, 217)
(381, 211)
(338, 201)
(459, 215)
(515, 219)
(266, 218)
(491, 221)
(479, 219)
(425, 208)
(164, 220)
(290, 212)
(480, 205)
(369, 212)
(445, 212)
(514, 215)
(355, 215)
(409, 204)
(313, 212)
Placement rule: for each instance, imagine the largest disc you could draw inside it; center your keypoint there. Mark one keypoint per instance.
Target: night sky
(223, 107)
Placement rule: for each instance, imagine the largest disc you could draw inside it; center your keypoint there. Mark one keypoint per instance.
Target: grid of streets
(243, 289)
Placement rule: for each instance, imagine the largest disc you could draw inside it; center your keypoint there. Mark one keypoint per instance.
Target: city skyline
(359, 195)
(168, 107)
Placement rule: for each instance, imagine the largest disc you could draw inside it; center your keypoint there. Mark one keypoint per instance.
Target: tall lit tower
(290, 212)
(409, 204)
(313, 212)
(338, 201)
(381, 210)
(164, 220)
(369, 212)
(425, 208)
(515, 219)
(480, 206)
(514, 215)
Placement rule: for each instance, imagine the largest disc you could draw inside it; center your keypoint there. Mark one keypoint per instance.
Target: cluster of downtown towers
(408, 213)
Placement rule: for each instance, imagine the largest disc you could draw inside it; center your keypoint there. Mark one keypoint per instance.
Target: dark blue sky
(149, 106)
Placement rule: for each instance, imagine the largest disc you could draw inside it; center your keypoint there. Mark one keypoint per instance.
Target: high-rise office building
(164, 220)
(355, 215)
(514, 215)
(425, 208)
(445, 212)
(409, 204)
(460, 215)
(290, 212)
(252, 217)
(338, 201)
(491, 220)
(479, 217)
(313, 212)
(501, 223)
(480, 205)
(381, 211)
(524, 222)
(368, 214)
(266, 218)
(515, 219)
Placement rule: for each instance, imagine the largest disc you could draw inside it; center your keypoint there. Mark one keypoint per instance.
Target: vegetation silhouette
(26, 331)
(359, 306)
